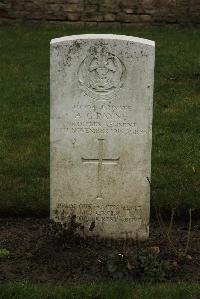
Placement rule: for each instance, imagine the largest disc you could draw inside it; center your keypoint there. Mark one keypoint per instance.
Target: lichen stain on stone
(99, 46)
(71, 51)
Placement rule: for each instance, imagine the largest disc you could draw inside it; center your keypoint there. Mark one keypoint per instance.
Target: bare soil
(34, 255)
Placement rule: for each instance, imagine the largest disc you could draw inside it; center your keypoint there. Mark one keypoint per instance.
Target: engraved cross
(100, 162)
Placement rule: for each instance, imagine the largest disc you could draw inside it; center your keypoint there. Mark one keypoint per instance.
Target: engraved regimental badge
(101, 75)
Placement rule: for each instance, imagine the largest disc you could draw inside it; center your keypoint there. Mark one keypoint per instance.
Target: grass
(24, 121)
(112, 290)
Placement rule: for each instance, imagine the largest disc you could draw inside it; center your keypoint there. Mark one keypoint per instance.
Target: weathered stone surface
(3, 12)
(73, 8)
(92, 9)
(108, 17)
(129, 11)
(101, 119)
(73, 16)
(145, 18)
(90, 17)
(128, 19)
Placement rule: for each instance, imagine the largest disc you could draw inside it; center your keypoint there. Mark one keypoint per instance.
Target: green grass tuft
(112, 290)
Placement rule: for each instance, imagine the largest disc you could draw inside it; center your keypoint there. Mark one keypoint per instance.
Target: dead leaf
(194, 169)
(188, 257)
(155, 249)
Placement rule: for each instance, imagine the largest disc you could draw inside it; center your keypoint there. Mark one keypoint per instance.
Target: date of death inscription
(111, 119)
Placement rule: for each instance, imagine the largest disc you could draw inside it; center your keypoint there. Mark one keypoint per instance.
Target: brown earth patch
(35, 257)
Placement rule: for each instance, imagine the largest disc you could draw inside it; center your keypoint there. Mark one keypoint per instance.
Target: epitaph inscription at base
(101, 133)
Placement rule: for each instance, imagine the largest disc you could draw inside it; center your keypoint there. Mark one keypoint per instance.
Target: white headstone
(101, 133)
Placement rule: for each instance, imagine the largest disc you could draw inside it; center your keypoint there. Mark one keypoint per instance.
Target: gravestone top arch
(103, 36)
